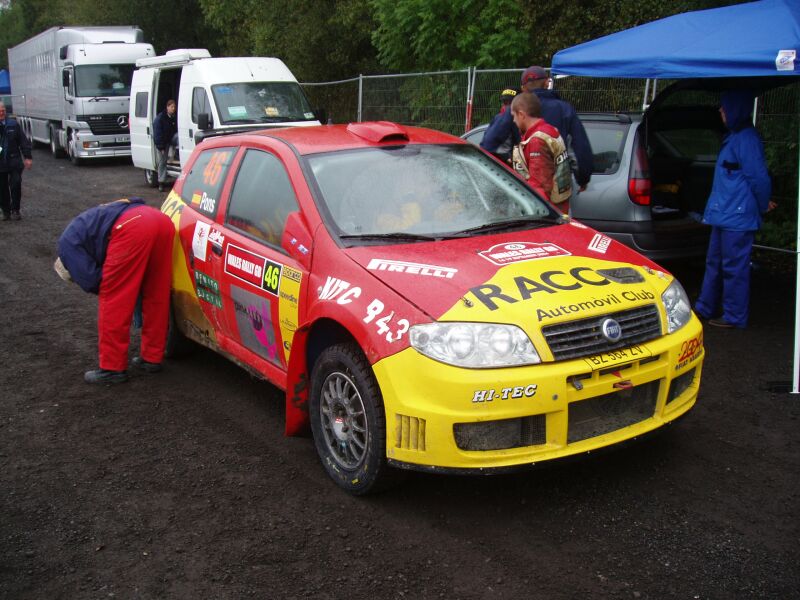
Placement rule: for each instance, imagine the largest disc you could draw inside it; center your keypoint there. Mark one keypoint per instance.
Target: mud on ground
(181, 485)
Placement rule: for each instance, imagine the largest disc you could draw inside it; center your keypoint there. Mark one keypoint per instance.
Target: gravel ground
(181, 485)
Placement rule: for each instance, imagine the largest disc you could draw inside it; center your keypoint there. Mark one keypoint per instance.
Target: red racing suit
(538, 158)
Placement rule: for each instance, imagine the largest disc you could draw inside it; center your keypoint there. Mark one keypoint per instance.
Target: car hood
(553, 274)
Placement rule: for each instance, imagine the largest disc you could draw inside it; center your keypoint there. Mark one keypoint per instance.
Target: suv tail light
(639, 184)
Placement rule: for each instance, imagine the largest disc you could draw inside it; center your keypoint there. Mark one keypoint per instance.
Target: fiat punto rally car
(420, 305)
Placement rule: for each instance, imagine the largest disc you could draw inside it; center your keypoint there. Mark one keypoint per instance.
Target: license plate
(615, 357)
(124, 138)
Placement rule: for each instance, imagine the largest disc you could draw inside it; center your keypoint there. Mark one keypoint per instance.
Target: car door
(140, 119)
(202, 234)
(261, 281)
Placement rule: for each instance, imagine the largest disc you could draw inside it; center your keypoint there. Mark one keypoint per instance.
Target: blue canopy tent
(753, 40)
(5, 83)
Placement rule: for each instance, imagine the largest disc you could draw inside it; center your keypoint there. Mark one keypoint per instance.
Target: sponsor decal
(552, 282)
(393, 330)
(199, 239)
(504, 254)
(203, 202)
(292, 274)
(518, 391)
(599, 243)
(690, 351)
(207, 289)
(272, 277)
(785, 60)
(216, 237)
(613, 357)
(254, 322)
(244, 265)
(172, 207)
(288, 297)
(339, 290)
(398, 266)
(288, 325)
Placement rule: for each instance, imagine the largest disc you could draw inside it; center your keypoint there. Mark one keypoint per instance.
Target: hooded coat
(742, 187)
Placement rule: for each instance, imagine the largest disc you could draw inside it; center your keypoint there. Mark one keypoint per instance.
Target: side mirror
(65, 78)
(322, 115)
(203, 121)
(297, 239)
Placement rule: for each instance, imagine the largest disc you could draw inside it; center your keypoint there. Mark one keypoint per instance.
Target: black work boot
(148, 367)
(105, 376)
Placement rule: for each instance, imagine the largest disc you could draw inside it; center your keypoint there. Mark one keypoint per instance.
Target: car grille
(610, 412)
(584, 337)
(105, 124)
(501, 435)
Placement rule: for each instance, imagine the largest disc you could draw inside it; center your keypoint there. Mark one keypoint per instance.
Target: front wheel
(72, 150)
(55, 147)
(348, 420)
(150, 178)
(178, 345)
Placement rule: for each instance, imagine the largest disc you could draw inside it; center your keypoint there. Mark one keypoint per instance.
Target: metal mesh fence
(441, 100)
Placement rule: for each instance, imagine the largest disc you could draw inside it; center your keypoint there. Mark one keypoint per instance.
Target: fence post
(470, 96)
(360, 95)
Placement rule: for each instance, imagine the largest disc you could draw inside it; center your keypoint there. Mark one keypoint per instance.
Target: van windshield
(103, 80)
(261, 102)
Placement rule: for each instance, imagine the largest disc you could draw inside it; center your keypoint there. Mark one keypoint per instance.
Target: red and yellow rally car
(420, 305)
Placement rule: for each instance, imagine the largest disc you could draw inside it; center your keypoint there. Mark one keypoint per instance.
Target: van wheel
(151, 178)
(55, 149)
(178, 345)
(348, 421)
(72, 151)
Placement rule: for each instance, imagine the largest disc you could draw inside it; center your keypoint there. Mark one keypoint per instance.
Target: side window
(262, 197)
(200, 103)
(141, 104)
(203, 183)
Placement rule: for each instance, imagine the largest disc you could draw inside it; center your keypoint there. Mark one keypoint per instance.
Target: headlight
(676, 303)
(474, 345)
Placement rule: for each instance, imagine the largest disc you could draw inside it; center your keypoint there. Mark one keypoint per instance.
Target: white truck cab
(214, 96)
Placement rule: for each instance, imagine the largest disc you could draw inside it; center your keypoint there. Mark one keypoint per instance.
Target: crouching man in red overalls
(122, 250)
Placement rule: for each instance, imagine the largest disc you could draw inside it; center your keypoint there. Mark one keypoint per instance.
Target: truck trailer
(72, 88)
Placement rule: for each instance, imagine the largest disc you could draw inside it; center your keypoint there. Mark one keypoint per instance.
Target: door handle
(191, 134)
(216, 249)
(148, 130)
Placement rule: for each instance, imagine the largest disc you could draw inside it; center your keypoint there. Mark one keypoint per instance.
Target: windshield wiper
(511, 224)
(242, 121)
(412, 237)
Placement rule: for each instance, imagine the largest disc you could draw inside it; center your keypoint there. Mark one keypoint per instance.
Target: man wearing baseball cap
(503, 150)
(555, 111)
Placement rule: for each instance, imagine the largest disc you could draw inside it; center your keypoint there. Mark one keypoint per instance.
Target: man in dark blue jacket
(739, 196)
(555, 111)
(165, 134)
(122, 251)
(15, 153)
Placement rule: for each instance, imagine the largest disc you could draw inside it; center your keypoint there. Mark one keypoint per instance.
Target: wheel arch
(307, 345)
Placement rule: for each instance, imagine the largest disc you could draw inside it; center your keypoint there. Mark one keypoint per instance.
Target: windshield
(421, 190)
(103, 80)
(261, 102)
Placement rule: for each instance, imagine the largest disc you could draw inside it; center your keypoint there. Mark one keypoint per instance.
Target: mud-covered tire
(348, 421)
(178, 345)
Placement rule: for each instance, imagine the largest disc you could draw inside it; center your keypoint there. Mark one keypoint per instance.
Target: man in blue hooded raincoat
(739, 197)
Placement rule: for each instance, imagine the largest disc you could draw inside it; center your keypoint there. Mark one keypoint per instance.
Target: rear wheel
(348, 421)
(55, 147)
(178, 345)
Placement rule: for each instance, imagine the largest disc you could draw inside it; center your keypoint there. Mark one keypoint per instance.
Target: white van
(214, 96)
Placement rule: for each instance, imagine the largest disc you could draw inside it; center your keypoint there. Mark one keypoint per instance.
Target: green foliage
(422, 35)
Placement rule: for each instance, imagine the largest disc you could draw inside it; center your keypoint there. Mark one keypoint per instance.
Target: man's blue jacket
(164, 127)
(561, 115)
(742, 187)
(15, 146)
(82, 247)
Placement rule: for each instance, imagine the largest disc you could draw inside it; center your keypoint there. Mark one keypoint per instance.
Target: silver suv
(652, 173)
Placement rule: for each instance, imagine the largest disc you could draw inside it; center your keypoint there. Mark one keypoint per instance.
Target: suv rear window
(607, 140)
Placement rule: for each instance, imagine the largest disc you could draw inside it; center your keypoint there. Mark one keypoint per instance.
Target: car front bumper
(440, 417)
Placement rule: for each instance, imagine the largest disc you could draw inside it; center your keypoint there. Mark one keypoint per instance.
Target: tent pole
(796, 373)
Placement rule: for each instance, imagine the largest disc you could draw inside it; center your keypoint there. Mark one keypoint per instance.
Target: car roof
(327, 138)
